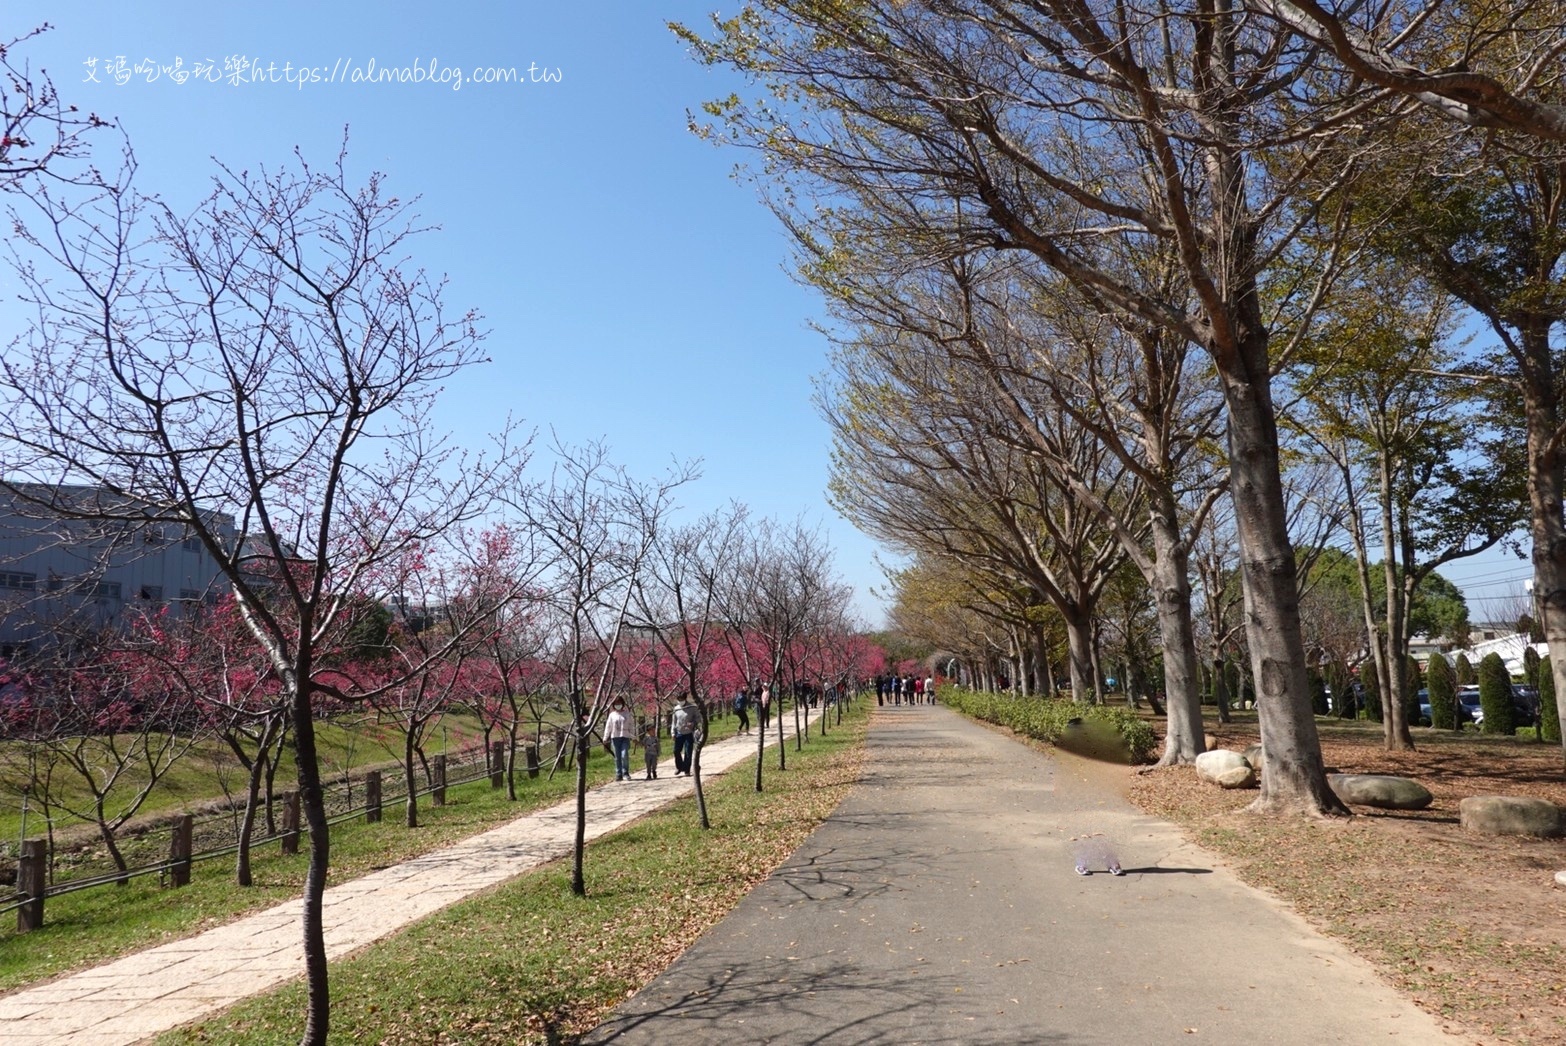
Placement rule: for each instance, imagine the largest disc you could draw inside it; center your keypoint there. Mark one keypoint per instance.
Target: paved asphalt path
(939, 904)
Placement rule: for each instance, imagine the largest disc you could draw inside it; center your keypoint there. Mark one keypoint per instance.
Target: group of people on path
(619, 728)
(910, 689)
(759, 697)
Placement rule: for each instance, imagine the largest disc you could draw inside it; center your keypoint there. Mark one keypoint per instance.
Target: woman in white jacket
(617, 734)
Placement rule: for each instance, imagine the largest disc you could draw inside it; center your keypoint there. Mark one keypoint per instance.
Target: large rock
(1257, 758)
(1225, 768)
(1240, 777)
(1380, 790)
(1511, 815)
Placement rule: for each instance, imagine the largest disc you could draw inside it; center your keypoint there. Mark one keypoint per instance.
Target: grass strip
(94, 926)
(528, 962)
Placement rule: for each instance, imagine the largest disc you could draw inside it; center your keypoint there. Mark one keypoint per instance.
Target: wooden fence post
(438, 793)
(30, 883)
(532, 760)
(290, 822)
(372, 797)
(497, 764)
(179, 851)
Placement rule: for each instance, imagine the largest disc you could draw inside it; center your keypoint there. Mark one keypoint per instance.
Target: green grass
(202, 775)
(529, 962)
(93, 926)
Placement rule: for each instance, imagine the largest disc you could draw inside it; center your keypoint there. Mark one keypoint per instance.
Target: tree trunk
(247, 823)
(312, 806)
(701, 742)
(1546, 485)
(1295, 781)
(579, 843)
(107, 835)
(1079, 637)
(511, 760)
(761, 742)
(1184, 739)
(777, 706)
(1394, 675)
(411, 808)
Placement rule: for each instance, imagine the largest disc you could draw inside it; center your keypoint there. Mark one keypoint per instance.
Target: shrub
(1549, 713)
(1443, 693)
(1495, 695)
(1372, 695)
(1340, 683)
(1463, 670)
(1414, 681)
(1045, 719)
(1318, 691)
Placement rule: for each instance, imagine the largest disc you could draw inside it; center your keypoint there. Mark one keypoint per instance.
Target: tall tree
(1437, 482)
(596, 526)
(676, 600)
(1063, 134)
(270, 357)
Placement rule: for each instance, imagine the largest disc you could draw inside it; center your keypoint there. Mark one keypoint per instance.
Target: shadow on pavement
(826, 1004)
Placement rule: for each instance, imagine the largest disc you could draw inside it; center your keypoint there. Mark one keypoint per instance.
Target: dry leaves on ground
(1472, 927)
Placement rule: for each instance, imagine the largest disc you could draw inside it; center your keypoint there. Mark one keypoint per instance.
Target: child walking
(650, 749)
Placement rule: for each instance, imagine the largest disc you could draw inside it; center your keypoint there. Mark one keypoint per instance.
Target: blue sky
(633, 289)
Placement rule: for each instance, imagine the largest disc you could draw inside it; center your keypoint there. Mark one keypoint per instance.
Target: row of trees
(266, 365)
(1103, 271)
(96, 719)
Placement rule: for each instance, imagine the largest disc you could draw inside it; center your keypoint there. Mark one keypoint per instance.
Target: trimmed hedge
(1549, 721)
(1443, 693)
(1044, 719)
(1495, 696)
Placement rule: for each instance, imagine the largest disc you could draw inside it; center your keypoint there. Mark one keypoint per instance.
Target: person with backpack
(742, 709)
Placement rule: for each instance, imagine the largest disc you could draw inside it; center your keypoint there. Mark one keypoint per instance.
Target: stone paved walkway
(145, 994)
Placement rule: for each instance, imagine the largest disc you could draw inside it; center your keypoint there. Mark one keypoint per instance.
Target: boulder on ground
(1225, 768)
(1511, 815)
(1380, 790)
(1240, 777)
(1560, 878)
(1256, 757)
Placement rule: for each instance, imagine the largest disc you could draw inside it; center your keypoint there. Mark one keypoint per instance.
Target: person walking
(764, 706)
(742, 709)
(682, 727)
(651, 748)
(617, 735)
(929, 690)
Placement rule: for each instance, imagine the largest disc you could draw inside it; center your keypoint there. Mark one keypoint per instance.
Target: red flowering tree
(111, 720)
(212, 658)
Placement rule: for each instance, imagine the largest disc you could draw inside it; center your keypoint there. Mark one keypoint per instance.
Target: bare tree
(41, 136)
(676, 603)
(596, 527)
(1491, 69)
(1072, 134)
(271, 357)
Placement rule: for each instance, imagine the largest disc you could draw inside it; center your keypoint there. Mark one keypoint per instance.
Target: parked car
(1468, 710)
(1525, 706)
